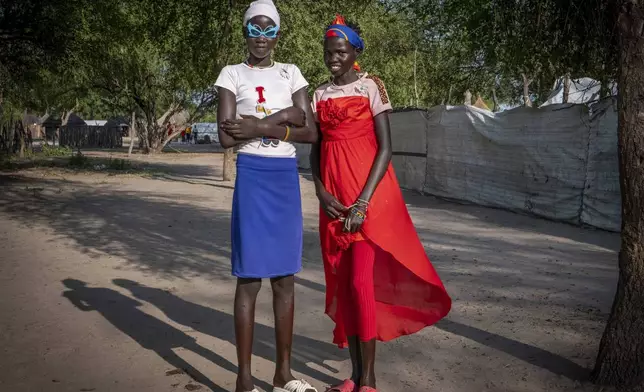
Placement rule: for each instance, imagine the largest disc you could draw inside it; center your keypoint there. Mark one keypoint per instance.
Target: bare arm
(274, 126)
(226, 111)
(358, 213)
(383, 156)
(329, 203)
(309, 132)
(314, 159)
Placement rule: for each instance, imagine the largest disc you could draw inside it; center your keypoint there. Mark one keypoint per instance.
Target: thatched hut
(33, 124)
(51, 123)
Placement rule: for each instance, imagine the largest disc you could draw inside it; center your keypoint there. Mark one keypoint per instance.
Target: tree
(34, 35)
(456, 39)
(34, 38)
(160, 57)
(620, 361)
(392, 53)
(541, 41)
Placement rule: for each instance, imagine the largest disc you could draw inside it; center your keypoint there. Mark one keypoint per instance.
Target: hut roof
(117, 122)
(51, 120)
(31, 119)
(75, 120)
(95, 123)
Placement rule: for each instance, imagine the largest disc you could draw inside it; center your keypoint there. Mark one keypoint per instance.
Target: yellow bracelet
(288, 132)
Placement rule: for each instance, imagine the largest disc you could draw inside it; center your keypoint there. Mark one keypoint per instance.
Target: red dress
(409, 293)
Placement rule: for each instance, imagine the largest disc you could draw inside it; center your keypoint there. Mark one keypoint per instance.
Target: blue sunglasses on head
(255, 32)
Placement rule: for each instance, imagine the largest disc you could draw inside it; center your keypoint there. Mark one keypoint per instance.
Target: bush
(119, 164)
(56, 151)
(79, 160)
(6, 163)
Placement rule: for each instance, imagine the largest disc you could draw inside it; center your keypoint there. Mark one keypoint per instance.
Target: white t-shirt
(270, 88)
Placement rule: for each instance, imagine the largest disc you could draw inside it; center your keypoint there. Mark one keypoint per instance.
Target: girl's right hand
(331, 206)
(294, 116)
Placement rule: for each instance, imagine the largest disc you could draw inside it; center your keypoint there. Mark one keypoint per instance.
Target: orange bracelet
(288, 132)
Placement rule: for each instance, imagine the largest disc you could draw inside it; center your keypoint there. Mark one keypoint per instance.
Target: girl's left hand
(244, 129)
(355, 218)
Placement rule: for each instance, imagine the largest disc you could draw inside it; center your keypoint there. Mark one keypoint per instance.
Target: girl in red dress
(380, 285)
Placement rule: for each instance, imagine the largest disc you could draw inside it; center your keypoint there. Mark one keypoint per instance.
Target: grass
(6, 163)
(111, 165)
(56, 151)
(66, 159)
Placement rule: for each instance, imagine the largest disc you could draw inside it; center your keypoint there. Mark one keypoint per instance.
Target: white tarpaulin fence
(557, 162)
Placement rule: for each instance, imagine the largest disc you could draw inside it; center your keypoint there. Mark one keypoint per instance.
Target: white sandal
(295, 386)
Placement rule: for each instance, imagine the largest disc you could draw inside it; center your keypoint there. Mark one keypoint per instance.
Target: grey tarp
(557, 162)
(602, 196)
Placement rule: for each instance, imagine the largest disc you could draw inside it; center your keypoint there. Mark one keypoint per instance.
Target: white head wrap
(262, 7)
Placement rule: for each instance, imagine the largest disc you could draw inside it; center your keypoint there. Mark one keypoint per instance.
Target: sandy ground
(112, 282)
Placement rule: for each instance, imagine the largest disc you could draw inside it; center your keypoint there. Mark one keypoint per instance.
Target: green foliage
(422, 59)
(492, 44)
(78, 161)
(389, 54)
(56, 151)
(209, 118)
(119, 164)
(156, 58)
(34, 35)
(82, 162)
(6, 163)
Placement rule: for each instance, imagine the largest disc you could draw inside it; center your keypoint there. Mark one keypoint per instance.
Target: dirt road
(112, 282)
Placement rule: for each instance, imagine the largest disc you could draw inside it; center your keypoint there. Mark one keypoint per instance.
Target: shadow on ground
(148, 331)
(221, 326)
(525, 352)
(153, 334)
(153, 232)
(516, 221)
(156, 233)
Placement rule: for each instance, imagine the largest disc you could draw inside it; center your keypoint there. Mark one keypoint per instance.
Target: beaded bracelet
(362, 202)
(359, 213)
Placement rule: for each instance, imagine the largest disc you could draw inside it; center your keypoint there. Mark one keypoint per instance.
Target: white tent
(583, 90)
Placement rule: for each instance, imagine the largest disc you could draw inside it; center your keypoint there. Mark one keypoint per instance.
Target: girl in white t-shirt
(263, 107)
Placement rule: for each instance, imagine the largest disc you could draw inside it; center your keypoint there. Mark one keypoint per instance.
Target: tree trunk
(144, 137)
(22, 136)
(467, 101)
(132, 133)
(415, 78)
(229, 164)
(24, 129)
(620, 361)
(12, 136)
(566, 88)
(169, 137)
(604, 90)
(526, 91)
(155, 136)
(156, 132)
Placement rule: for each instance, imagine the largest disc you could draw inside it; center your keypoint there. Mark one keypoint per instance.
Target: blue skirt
(266, 224)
